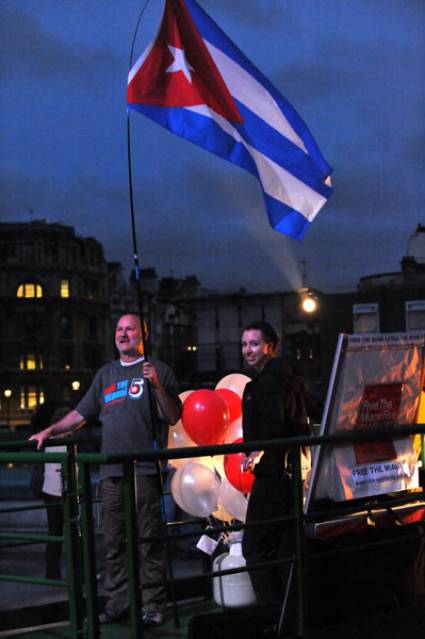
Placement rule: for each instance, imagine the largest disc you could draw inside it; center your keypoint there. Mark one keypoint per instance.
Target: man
(118, 396)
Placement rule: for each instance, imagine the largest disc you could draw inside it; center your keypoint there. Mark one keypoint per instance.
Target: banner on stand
(376, 381)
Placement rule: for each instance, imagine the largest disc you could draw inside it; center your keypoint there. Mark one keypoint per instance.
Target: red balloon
(205, 417)
(233, 402)
(242, 480)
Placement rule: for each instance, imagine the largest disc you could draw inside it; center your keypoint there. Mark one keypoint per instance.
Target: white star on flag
(180, 63)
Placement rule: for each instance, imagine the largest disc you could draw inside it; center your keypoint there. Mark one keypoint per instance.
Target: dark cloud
(28, 50)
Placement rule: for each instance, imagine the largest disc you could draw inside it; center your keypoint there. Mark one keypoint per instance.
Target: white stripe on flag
(276, 181)
(140, 60)
(286, 188)
(245, 88)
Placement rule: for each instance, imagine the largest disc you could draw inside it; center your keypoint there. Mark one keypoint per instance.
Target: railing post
(88, 551)
(71, 532)
(299, 542)
(130, 518)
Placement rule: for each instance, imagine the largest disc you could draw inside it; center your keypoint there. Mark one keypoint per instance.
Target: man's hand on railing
(40, 437)
(67, 424)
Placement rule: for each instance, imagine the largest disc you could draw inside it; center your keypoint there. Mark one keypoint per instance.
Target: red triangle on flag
(179, 71)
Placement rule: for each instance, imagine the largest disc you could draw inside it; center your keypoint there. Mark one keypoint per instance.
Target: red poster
(379, 406)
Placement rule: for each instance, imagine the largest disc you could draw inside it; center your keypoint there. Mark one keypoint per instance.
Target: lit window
(64, 288)
(31, 397)
(29, 289)
(31, 362)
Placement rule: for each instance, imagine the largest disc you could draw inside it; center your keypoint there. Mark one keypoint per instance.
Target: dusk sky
(353, 69)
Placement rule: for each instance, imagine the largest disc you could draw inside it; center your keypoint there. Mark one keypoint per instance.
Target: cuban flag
(193, 80)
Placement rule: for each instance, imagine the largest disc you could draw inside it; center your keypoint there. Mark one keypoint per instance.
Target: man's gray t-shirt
(118, 396)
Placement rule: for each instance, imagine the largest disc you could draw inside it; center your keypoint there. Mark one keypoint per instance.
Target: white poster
(376, 381)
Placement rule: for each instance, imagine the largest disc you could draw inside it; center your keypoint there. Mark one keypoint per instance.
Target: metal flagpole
(130, 187)
(152, 404)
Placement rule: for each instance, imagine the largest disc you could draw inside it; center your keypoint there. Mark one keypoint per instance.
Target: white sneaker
(152, 618)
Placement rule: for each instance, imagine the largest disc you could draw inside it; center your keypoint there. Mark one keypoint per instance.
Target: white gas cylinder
(235, 590)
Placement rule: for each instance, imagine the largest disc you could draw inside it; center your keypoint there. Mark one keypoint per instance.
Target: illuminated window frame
(29, 290)
(31, 362)
(64, 287)
(31, 397)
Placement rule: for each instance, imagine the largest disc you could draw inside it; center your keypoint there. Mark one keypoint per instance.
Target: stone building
(59, 302)
(54, 314)
(383, 303)
(60, 299)
(221, 318)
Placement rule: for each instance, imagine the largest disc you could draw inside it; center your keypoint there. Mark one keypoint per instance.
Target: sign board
(376, 381)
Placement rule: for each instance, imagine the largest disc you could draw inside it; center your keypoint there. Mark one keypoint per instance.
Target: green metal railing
(70, 535)
(79, 528)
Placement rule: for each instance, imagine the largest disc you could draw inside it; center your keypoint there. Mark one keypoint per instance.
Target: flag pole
(132, 214)
(152, 404)
(146, 352)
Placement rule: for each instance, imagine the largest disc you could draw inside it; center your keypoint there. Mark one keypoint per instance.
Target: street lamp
(309, 302)
(75, 385)
(8, 394)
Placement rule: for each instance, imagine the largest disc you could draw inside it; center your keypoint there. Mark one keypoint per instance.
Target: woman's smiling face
(255, 350)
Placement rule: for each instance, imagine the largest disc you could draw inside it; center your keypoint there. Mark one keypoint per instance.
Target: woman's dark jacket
(274, 407)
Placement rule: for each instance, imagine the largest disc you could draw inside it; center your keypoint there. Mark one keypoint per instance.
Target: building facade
(220, 320)
(59, 303)
(54, 313)
(383, 303)
(60, 299)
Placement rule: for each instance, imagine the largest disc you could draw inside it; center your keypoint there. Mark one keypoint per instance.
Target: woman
(52, 495)
(273, 407)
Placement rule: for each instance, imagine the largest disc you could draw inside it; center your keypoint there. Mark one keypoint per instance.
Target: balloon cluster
(217, 486)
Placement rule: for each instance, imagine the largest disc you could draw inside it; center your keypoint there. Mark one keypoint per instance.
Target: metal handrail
(79, 513)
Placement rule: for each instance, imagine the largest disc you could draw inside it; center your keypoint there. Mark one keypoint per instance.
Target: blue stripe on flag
(267, 140)
(284, 219)
(200, 130)
(203, 131)
(206, 133)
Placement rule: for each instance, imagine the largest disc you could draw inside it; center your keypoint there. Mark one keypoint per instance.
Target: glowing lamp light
(309, 302)
(75, 385)
(7, 393)
(309, 305)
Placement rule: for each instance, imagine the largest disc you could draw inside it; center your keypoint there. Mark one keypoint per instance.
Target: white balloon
(233, 431)
(235, 382)
(184, 395)
(196, 488)
(177, 436)
(221, 513)
(233, 500)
